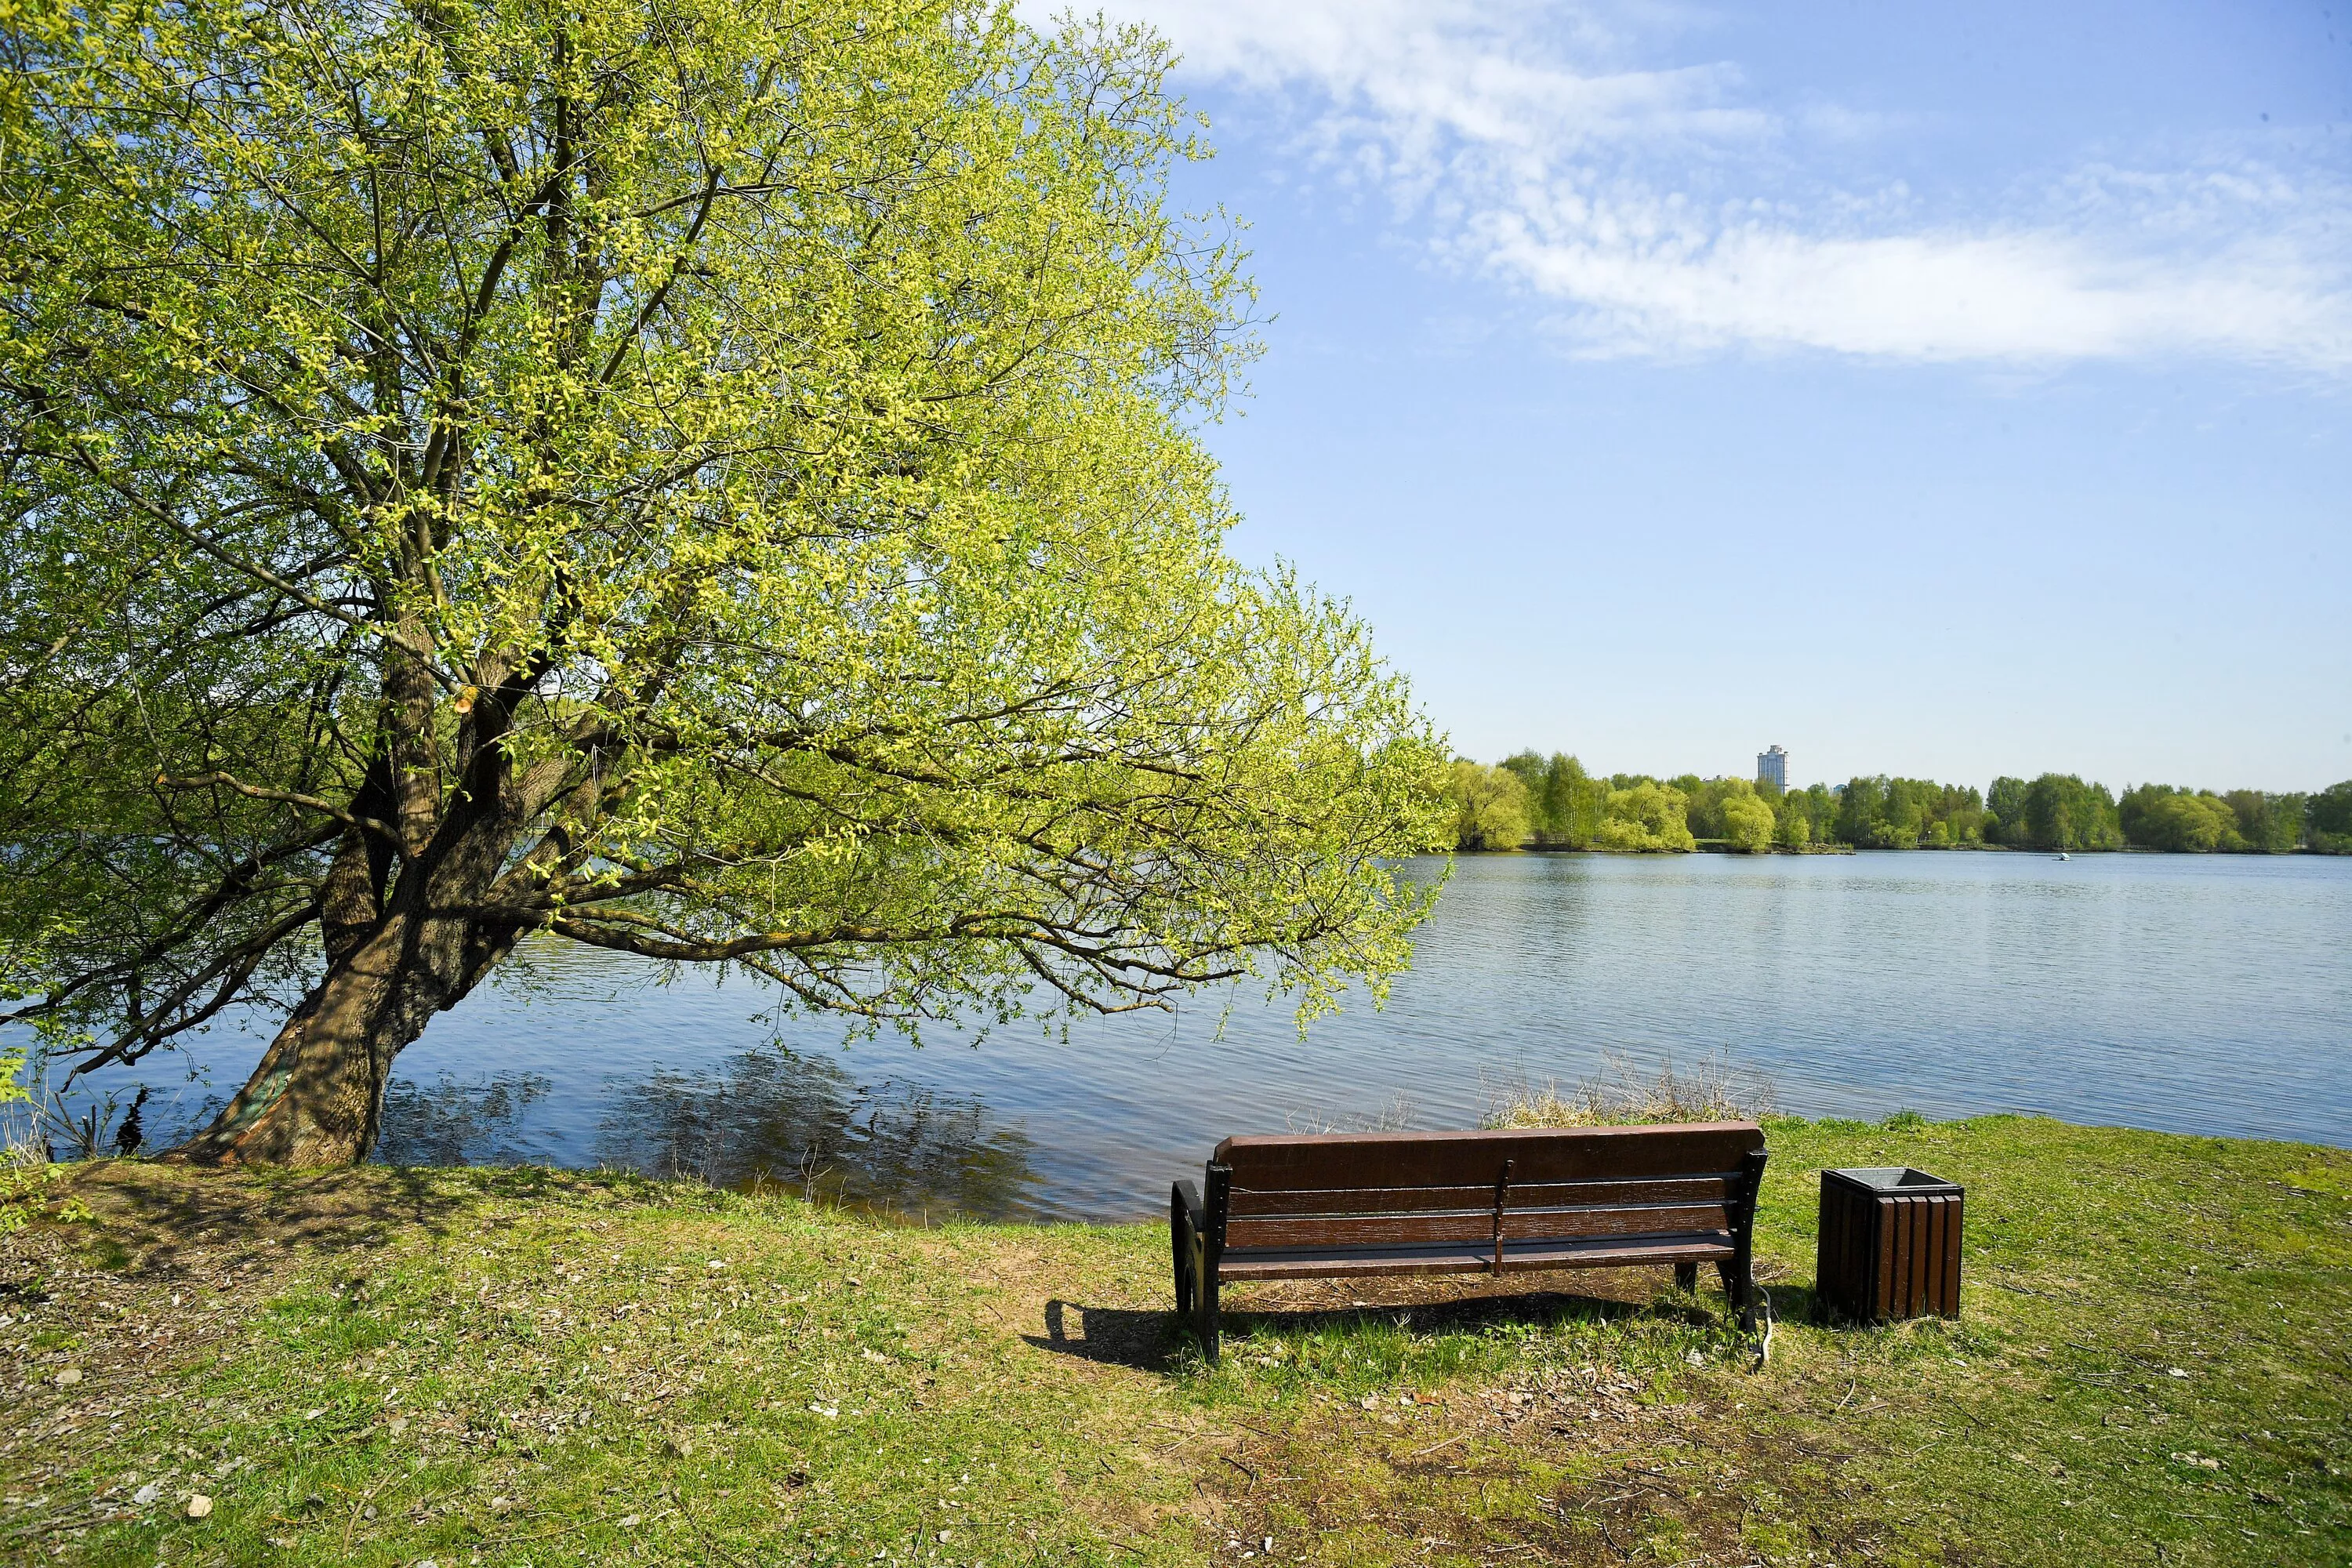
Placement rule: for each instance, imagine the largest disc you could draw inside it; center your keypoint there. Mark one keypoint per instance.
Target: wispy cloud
(1664, 209)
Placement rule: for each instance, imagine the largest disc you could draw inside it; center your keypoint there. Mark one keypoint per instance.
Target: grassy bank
(519, 1367)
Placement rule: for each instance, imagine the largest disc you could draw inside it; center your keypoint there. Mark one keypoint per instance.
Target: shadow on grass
(1157, 1342)
(158, 1219)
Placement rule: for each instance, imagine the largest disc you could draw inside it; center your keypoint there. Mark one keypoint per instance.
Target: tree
(2159, 816)
(1564, 803)
(1490, 806)
(1862, 816)
(1644, 816)
(1527, 767)
(1573, 803)
(2062, 812)
(2327, 819)
(1748, 822)
(713, 482)
(1808, 815)
(2269, 824)
(2005, 813)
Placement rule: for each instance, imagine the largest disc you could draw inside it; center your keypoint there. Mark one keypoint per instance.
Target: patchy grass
(531, 1368)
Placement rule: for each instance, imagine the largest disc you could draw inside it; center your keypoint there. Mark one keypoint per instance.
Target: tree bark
(396, 954)
(316, 1098)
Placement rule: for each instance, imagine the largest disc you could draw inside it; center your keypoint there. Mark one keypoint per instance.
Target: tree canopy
(1490, 806)
(716, 481)
(2329, 819)
(1644, 816)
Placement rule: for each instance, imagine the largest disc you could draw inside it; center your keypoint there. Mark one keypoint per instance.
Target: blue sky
(1945, 391)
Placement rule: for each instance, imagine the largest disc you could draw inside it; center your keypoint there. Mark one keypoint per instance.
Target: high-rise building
(1773, 768)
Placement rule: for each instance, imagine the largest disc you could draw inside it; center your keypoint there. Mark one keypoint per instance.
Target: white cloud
(1653, 206)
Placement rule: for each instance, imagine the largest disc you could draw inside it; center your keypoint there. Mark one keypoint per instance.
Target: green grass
(529, 1368)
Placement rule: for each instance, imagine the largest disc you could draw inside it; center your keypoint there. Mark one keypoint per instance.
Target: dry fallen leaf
(199, 1506)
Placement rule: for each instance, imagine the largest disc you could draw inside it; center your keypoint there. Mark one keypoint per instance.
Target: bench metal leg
(1183, 1233)
(1687, 1277)
(1748, 1303)
(1196, 1265)
(1207, 1293)
(1739, 1272)
(1739, 1289)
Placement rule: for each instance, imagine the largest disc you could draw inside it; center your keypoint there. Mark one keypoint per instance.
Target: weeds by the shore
(381, 1367)
(1708, 1091)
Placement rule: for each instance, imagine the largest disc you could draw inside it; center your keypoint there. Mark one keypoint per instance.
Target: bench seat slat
(1275, 1163)
(1696, 1189)
(1472, 1226)
(1519, 1258)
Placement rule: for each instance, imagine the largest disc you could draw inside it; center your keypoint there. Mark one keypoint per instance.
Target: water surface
(2194, 993)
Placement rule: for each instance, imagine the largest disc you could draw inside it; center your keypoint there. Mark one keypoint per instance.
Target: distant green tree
(1527, 767)
(1574, 802)
(1861, 812)
(1703, 806)
(1709, 811)
(2005, 813)
(1568, 808)
(2132, 810)
(1490, 806)
(1748, 822)
(1645, 815)
(2179, 821)
(2062, 812)
(1882, 813)
(2270, 823)
(1815, 805)
(1955, 814)
(2327, 820)
(1564, 803)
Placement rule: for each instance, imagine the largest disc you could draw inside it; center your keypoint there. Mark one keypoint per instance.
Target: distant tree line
(1531, 801)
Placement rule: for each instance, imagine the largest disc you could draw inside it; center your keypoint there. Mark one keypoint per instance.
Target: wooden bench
(1339, 1205)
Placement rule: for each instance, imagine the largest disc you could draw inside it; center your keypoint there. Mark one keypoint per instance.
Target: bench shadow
(1154, 1340)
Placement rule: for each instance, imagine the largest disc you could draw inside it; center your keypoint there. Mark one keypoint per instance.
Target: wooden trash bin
(1890, 1244)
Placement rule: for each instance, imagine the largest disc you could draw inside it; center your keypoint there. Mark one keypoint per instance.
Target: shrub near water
(1708, 1091)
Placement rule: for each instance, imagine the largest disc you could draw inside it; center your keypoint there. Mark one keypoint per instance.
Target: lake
(2188, 993)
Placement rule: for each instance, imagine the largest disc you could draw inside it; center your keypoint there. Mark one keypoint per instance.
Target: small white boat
(2063, 855)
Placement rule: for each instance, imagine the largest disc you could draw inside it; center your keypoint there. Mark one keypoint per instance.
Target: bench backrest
(1383, 1189)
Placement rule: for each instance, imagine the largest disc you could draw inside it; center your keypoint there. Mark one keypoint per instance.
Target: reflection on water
(2190, 993)
(454, 1123)
(761, 1118)
(775, 1117)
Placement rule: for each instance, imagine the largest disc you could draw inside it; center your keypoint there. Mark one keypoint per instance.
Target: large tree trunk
(316, 1098)
(395, 956)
